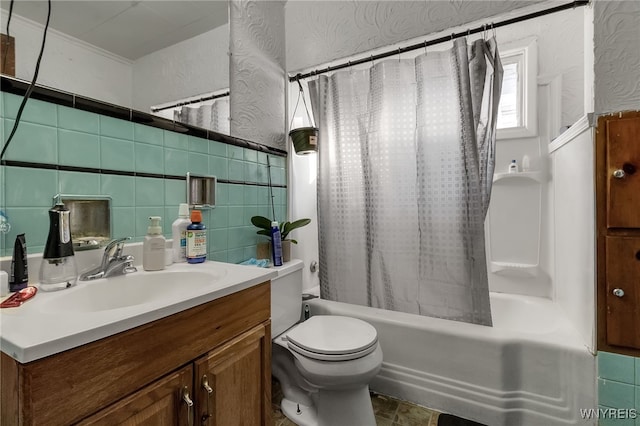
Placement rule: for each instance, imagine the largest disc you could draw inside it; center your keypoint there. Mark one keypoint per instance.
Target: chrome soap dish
(201, 191)
(90, 219)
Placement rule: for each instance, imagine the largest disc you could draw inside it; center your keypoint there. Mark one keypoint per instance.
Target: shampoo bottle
(513, 167)
(276, 244)
(153, 248)
(179, 234)
(196, 239)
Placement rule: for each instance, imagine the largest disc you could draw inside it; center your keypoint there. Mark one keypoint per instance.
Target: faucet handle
(114, 248)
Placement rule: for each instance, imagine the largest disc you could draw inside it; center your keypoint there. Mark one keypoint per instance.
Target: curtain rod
(444, 39)
(192, 101)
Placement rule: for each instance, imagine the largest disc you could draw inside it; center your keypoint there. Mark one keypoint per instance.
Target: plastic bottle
(276, 244)
(153, 247)
(513, 167)
(526, 163)
(196, 239)
(4, 284)
(179, 234)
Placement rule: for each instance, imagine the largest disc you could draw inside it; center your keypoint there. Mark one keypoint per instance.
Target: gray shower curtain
(406, 159)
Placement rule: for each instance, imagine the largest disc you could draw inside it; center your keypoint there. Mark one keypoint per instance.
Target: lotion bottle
(179, 234)
(153, 248)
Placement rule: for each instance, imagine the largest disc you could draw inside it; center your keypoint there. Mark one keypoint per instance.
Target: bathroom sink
(133, 289)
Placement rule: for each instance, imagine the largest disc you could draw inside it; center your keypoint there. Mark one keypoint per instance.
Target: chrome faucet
(113, 262)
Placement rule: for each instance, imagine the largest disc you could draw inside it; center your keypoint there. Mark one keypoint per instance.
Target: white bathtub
(529, 369)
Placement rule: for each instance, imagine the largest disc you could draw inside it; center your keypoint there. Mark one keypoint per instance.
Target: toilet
(324, 364)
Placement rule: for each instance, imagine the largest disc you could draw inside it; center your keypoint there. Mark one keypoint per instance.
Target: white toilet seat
(332, 338)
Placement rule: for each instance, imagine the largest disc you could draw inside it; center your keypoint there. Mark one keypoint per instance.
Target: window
(517, 112)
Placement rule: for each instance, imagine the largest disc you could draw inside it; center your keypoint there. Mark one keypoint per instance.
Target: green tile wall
(55, 134)
(619, 386)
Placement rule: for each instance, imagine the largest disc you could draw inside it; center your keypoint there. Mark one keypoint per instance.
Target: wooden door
(623, 291)
(234, 382)
(623, 168)
(161, 403)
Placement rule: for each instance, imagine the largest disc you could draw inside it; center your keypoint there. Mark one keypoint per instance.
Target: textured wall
(321, 31)
(617, 55)
(257, 68)
(192, 67)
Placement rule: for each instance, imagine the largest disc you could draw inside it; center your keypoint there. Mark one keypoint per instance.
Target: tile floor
(389, 411)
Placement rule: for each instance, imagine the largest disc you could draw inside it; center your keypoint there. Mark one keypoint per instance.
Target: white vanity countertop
(33, 330)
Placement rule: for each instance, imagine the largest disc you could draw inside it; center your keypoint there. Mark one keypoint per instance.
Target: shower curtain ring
(425, 47)
(399, 52)
(493, 30)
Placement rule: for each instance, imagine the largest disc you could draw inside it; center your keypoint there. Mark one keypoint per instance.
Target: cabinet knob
(618, 292)
(618, 174)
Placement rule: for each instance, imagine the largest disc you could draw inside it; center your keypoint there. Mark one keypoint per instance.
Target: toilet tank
(286, 296)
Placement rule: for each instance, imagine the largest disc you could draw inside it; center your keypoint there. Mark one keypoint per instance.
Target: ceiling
(130, 29)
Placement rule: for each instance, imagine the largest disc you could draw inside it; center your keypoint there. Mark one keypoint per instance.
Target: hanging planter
(304, 139)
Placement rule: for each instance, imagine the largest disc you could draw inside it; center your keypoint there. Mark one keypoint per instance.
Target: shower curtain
(406, 159)
(213, 116)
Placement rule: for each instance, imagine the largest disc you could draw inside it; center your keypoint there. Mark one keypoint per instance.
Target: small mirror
(134, 54)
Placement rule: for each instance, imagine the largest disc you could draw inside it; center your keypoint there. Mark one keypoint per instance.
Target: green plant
(285, 227)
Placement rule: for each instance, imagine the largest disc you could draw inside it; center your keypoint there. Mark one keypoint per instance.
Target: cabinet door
(623, 168)
(161, 403)
(234, 381)
(623, 291)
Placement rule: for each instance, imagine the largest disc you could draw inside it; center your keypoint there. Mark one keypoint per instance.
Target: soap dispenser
(58, 269)
(153, 247)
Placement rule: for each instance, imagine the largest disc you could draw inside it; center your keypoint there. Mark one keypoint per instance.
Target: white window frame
(525, 52)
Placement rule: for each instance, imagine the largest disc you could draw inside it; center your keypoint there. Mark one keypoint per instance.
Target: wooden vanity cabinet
(226, 386)
(146, 375)
(618, 223)
(157, 404)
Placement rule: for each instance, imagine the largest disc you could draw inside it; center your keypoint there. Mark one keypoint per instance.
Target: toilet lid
(327, 336)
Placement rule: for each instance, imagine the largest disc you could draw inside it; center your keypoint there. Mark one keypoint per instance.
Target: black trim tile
(149, 175)
(102, 108)
(13, 163)
(190, 130)
(116, 172)
(151, 120)
(19, 87)
(78, 169)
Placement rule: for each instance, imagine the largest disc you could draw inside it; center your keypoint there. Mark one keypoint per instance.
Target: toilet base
(334, 408)
(302, 415)
(350, 407)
